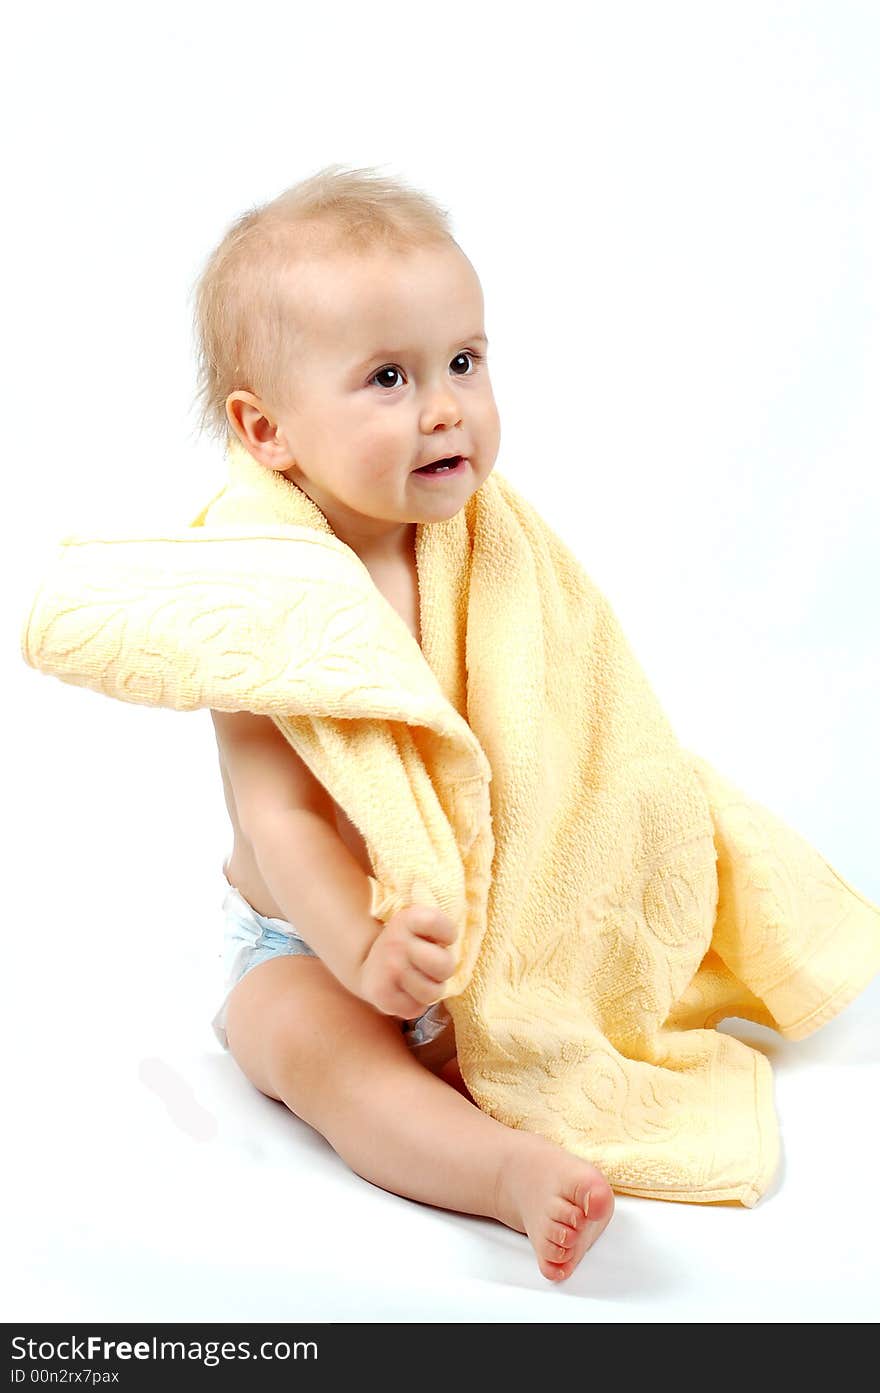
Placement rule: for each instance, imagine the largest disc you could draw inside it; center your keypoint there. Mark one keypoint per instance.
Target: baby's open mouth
(443, 466)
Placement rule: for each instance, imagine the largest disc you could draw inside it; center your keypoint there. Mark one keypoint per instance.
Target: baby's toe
(558, 1239)
(556, 1252)
(593, 1197)
(564, 1212)
(599, 1203)
(556, 1268)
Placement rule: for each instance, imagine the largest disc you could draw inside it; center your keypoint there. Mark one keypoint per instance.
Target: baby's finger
(431, 924)
(432, 960)
(420, 987)
(422, 895)
(408, 1009)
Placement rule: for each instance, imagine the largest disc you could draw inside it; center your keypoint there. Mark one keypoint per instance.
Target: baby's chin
(445, 493)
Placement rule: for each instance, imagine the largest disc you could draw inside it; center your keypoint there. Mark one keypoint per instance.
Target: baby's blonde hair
(244, 314)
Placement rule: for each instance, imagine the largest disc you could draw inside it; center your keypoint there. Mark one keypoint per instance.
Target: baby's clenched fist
(410, 962)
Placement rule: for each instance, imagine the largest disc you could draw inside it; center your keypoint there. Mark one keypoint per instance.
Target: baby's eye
(467, 354)
(390, 368)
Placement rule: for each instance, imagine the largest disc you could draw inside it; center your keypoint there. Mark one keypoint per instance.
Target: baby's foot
(561, 1202)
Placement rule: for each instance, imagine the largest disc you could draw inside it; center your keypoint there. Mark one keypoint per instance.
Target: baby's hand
(409, 962)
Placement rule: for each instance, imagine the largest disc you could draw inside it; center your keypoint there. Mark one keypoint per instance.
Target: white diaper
(250, 938)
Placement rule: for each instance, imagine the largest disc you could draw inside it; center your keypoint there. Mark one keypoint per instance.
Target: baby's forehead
(351, 302)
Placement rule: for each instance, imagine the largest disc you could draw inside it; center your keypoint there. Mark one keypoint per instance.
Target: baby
(341, 334)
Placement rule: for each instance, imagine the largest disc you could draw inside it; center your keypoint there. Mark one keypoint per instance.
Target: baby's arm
(288, 818)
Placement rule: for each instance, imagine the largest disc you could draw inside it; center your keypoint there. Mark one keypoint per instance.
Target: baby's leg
(300, 1037)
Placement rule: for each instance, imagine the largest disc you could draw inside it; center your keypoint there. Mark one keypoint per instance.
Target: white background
(674, 212)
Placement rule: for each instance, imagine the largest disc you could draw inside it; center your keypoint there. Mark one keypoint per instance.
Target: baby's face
(392, 375)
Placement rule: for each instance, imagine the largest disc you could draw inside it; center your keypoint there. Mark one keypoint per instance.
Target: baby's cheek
(380, 455)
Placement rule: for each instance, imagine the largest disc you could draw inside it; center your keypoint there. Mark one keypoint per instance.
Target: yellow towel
(615, 896)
